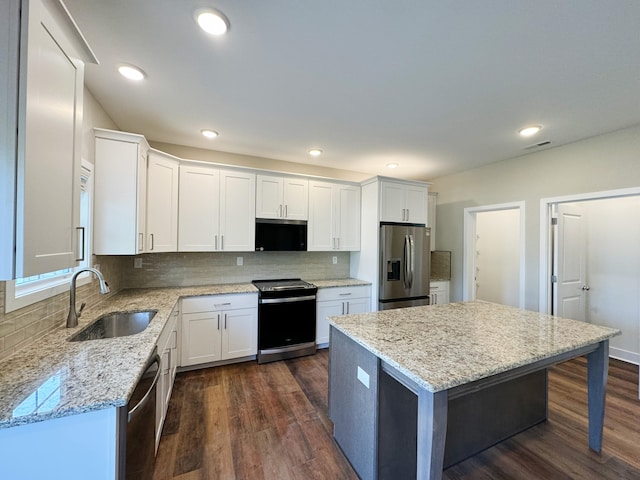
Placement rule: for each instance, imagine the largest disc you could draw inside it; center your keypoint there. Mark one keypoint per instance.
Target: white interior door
(570, 262)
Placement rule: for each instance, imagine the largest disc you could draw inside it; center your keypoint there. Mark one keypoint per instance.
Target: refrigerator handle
(406, 261)
(412, 251)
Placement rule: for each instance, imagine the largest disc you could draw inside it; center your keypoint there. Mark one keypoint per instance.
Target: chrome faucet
(72, 318)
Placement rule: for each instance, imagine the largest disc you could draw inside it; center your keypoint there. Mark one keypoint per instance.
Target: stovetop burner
(282, 285)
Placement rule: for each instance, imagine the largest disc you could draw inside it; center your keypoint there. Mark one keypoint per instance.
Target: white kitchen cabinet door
(334, 217)
(50, 72)
(392, 204)
(417, 204)
(403, 202)
(269, 194)
(239, 333)
(162, 202)
(119, 205)
(339, 301)
(237, 211)
(321, 217)
(348, 218)
(295, 198)
(199, 209)
(439, 292)
(282, 197)
(201, 338)
(324, 310)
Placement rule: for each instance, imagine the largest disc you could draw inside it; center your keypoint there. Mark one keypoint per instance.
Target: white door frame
(469, 247)
(546, 249)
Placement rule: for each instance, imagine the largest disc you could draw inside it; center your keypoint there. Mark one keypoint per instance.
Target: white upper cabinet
(403, 202)
(282, 197)
(162, 202)
(217, 209)
(42, 57)
(334, 216)
(199, 212)
(120, 193)
(237, 211)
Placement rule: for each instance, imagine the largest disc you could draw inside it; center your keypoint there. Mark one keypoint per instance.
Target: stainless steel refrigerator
(404, 266)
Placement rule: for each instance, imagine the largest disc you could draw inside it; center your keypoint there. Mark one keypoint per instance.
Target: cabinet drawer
(212, 303)
(343, 293)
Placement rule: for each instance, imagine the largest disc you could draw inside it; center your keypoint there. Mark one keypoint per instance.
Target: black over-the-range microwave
(280, 235)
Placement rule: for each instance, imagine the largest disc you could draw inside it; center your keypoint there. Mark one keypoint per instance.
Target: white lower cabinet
(439, 292)
(168, 350)
(219, 327)
(339, 301)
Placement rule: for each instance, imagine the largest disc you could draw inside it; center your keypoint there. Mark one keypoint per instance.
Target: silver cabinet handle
(221, 304)
(225, 321)
(81, 259)
(215, 239)
(342, 308)
(218, 321)
(407, 214)
(221, 242)
(280, 211)
(347, 307)
(151, 241)
(586, 288)
(345, 294)
(286, 212)
(403, 215)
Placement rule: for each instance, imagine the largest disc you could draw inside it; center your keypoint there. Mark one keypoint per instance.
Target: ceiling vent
(538, 145)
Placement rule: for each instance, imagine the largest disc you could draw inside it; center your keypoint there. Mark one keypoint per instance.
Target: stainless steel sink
(115, 324)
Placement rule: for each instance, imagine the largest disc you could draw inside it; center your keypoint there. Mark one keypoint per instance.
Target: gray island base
(413, 391)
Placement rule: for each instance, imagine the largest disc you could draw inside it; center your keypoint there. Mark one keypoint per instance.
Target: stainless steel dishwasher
(138, 420)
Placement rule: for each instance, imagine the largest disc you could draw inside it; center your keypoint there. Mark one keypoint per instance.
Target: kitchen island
(414, 390)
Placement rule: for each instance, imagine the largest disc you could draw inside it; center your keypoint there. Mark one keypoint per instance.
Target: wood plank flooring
(250, 421)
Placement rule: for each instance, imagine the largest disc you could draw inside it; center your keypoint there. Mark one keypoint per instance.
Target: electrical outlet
(137, 263)
(335, 260)
(239, 261)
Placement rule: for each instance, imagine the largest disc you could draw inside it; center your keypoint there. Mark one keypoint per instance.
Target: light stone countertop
(69, 378)
(444, 346)
(343, 282)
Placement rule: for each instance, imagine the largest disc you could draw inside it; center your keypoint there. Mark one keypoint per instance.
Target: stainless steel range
(286, 319)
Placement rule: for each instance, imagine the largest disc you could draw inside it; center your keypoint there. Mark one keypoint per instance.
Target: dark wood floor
(249, 421)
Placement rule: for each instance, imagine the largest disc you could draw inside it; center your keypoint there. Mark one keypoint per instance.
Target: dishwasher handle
(147, 396)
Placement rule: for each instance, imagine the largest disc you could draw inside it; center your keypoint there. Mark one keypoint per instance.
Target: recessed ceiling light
(392, 165)
(315, 152)
(212, 21)
(529, 130)
(209, 133)
(131, 72)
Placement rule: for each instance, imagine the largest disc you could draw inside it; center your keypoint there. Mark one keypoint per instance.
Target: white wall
(606, 162)
(498, 256)
(613, 271)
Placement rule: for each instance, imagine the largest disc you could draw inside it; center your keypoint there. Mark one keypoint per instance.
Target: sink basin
(115, 324)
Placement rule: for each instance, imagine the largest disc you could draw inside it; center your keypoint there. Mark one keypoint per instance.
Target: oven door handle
(147, 396)
(287, 299)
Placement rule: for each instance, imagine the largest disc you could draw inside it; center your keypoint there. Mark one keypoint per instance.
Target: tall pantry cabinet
(42, 57)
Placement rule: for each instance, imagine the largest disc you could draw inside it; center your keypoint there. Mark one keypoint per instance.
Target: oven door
(283, 322)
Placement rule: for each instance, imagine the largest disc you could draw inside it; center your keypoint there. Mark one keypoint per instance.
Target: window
(26, 291)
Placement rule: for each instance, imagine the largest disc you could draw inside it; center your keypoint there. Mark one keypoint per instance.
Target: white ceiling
(437, 86)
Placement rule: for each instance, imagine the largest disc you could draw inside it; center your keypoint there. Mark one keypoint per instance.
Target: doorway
(493, 254)
(590, 263)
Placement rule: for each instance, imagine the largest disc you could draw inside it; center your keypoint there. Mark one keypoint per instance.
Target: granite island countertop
(55, 378)
(444, 346)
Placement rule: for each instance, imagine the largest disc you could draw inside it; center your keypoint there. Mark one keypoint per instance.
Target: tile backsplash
(185, 269)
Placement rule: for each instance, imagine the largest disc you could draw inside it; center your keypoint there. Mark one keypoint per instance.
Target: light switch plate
(363, 377)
